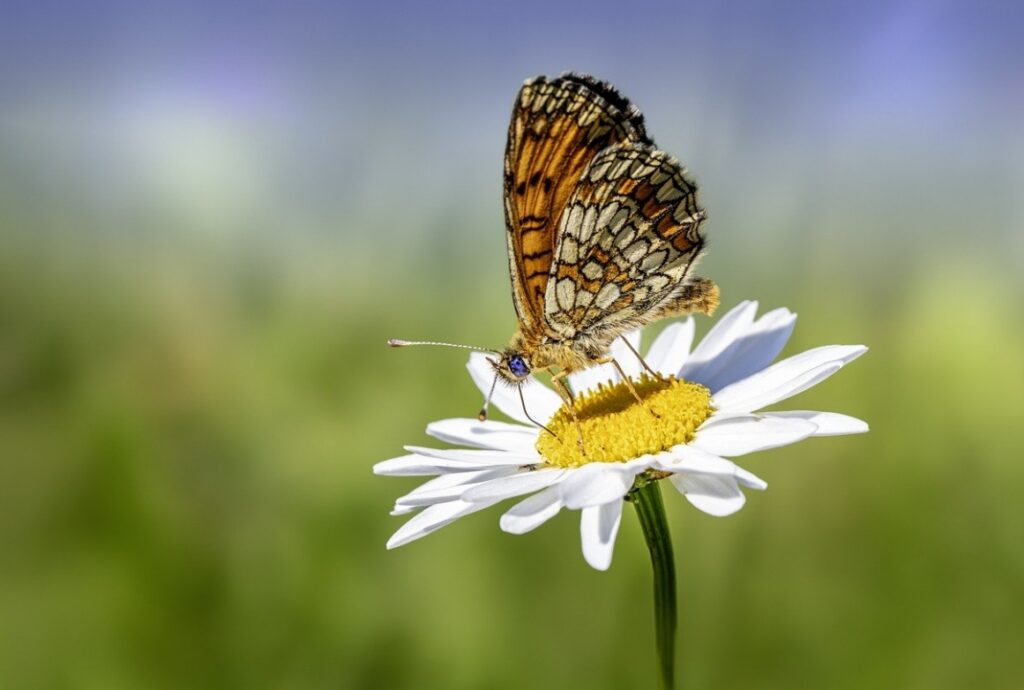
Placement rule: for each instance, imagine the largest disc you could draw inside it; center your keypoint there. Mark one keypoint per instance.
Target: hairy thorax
(565, 355)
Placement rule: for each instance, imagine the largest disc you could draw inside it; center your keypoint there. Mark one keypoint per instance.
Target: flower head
(700, 411)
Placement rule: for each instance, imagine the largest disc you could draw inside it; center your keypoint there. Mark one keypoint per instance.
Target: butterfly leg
(629, 384)
(563, 390)
(646, 366)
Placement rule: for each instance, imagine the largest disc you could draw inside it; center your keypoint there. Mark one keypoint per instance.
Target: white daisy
(705, 411)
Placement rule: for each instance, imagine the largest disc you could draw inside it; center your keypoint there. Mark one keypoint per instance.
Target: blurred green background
(213, 215)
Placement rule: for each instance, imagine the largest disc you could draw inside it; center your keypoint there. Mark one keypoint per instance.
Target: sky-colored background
(213, 214)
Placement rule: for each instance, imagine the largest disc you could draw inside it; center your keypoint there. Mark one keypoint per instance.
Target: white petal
(713, 494)
(688, 458)
(596, 483)
(786, 378)
(739, 398)
(488, 434)
(734, 436)
(413, 465)
(448, 487)
(670, 349)
(828, 423)
(685, 459)
(587, 379)
(532, 512)
(541, 402)
(514, 485)
(460, 459)
(431, 519)
(637, 465)
(751, 351)
(728, 328)
(750, 480)
(598, 527)
(424, 461)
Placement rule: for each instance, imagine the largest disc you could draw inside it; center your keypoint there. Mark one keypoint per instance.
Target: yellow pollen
(617, 428)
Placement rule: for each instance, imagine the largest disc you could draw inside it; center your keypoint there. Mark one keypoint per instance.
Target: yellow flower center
(617, 428)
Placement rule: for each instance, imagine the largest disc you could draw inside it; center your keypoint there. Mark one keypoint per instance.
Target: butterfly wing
(558, 126)
(627, 241)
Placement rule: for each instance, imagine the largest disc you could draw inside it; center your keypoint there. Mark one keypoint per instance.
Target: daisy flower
(699, 413)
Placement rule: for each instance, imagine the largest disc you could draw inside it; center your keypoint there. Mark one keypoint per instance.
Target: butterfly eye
(517, 365)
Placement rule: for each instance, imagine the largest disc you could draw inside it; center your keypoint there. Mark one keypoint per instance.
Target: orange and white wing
(558, 126)
(628, 239)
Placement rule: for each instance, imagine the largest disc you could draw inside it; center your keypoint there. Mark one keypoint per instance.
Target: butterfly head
(513, 367)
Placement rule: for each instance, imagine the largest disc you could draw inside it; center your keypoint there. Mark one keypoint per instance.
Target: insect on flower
(603, 232)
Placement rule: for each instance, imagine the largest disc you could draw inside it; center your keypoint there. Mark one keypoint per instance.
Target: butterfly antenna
(395, 342)
(482, 415)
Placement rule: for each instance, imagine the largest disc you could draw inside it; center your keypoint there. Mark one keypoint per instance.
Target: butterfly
(603, 229)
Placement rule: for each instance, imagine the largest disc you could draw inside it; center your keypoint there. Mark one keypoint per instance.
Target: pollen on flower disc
(617, 428)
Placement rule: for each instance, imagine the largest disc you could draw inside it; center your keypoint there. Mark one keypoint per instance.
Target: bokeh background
(212, 215)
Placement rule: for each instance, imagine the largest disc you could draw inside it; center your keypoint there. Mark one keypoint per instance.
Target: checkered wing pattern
(627, 240)
(558, 127)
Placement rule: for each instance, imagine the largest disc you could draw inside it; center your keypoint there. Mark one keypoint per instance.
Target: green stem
(651, 511)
